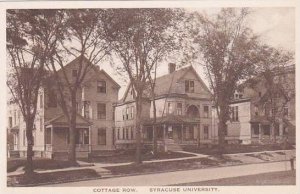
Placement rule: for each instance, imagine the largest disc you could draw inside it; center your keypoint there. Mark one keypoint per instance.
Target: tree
(140, 39)
(83, 38)
(275, 68)
(30, 42)
(228, 49)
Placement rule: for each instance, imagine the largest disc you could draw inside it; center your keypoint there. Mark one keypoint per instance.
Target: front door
(170, 132)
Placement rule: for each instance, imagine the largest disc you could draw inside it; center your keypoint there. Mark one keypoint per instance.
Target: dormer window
(101, 86)
(189, 86)
(74, 73)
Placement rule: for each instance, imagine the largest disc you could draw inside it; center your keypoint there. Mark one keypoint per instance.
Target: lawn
(186, 164)
(129, 156)
(53, 177)
(235, 148)
(38, 163)
(273, 178)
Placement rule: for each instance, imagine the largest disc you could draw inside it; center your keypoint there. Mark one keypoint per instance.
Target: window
(276, 127)
(102, 136)
(123, 114)
(256, 110)
(10, 122)
(48, 136)
(15, 117)
(190, 133)
(74, 73)
(41, 101)
(52, 99)
(235, 113)
(127, 133)
(255, 129)
(189, 86)
(127, 113)
(274, 111)
(41, 124)
(259, 94)
(24, 137)
(286, 111)
(101, 86)
(86, 109)
(169, 108)
(179, 108)
(205, 131)
(205, 110)
(266, 129)
(123, 133)
(82, 136)
(77, 107)
(101, 111)
(118, 133)
(132, 133)
(131, 113)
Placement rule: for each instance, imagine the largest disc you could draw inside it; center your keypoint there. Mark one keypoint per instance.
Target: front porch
(263, 132)
(174, 131)
(57, 138)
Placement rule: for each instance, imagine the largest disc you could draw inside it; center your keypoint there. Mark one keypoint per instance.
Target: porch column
(52, 128)
(182, 126)
(260, 131)
(198, 134)
(90, 140)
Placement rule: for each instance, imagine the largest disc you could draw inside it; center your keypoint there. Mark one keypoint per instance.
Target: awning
(61, 121)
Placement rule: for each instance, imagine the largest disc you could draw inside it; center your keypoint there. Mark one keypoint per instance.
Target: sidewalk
(100, 167)
(178, 177)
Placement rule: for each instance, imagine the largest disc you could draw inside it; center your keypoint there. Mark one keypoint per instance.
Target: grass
(129, 156)
(235, 148)
(38, 163)
(273, 178)
(50, 178)
(187, 164)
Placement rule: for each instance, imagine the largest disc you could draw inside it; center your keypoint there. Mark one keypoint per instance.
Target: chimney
(172, 67)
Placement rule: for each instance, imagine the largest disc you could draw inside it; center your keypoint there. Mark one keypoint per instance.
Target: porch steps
(104, 173)
(172, 145)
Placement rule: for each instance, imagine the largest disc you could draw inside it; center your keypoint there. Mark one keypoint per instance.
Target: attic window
(259, 94)
(189, 86)
(74, 72)
(101, 86)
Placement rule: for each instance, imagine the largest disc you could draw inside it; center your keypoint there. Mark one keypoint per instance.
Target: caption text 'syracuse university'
(155, 189)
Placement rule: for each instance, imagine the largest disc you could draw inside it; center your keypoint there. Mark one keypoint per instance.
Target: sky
(276, 27)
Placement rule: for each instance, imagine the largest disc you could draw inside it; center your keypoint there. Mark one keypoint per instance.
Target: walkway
(187, 176)
(99, 167)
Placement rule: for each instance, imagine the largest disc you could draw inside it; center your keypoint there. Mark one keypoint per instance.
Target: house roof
(94, 67)
(166, 84)
(61, 120)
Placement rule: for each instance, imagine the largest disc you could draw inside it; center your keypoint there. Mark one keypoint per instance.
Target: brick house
(183, 109)
(94, 122)
(251, 113)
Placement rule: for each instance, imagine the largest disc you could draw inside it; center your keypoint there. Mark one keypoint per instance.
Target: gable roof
(166, 84)
(93, 67)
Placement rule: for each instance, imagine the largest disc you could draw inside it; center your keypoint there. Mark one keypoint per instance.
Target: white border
(135, 4)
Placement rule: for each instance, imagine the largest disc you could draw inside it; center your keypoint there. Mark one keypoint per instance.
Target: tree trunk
(72, 132)
(138, 129)
(29, 169)
(222, 127)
